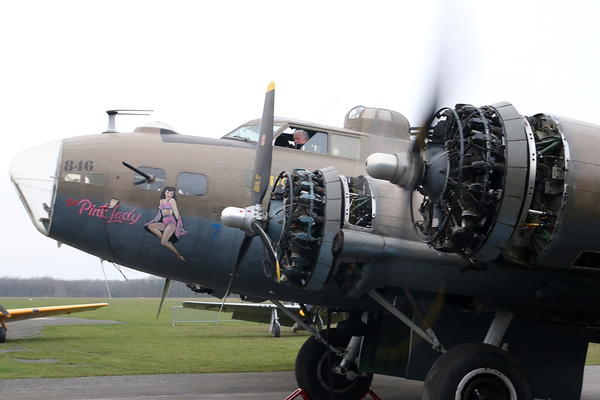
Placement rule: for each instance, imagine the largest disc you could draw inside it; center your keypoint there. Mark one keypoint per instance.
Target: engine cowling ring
(475, 210)
(305, 211)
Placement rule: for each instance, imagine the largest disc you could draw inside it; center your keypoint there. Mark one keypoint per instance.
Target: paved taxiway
(238, 386)
(234, 386)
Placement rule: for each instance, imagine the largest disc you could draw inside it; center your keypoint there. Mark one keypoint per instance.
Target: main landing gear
(326, 367)
(476, 371)
(320, 370)
(471, 371)
(479, 371)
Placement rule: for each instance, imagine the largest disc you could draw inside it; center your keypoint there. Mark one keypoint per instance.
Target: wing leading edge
(20, 314)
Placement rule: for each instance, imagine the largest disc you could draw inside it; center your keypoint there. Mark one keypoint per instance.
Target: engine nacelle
(496, 182)
(306, 212)
(562, 223)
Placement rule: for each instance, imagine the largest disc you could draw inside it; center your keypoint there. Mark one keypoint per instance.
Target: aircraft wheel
(313, 374)
(276, 330)
(2, 334)
(476, 371)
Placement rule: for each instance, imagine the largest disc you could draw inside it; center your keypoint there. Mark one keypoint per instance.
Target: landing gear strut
(318, 370)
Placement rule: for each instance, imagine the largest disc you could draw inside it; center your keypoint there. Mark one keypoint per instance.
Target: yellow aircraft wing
(20, 314)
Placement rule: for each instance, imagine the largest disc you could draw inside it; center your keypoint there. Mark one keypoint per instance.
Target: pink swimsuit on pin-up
(167, 219)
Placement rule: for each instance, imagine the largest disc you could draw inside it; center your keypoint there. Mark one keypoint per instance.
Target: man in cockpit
(300, 138)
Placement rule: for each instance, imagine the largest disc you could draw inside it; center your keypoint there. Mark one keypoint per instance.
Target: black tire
(476, 371)
(313, 374)
(2, 334)
(276, 330)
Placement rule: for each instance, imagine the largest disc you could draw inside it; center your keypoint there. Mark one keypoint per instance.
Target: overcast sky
(204, 67)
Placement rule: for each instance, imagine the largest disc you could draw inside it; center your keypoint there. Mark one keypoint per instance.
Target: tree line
(50, 287)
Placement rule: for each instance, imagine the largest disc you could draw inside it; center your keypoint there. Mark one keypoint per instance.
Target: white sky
(204, 67)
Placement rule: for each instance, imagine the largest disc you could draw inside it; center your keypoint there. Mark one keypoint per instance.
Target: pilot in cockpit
(300, 138)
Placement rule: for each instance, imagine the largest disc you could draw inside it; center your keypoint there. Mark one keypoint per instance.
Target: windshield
(248, 132)
(34, 175)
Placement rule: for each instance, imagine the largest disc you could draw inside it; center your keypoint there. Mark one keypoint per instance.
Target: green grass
(142, 345)
(593, 354)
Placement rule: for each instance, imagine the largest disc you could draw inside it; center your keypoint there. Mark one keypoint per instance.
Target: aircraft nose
(34, 174)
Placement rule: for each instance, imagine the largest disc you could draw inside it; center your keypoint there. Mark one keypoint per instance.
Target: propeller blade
(264, 148)
(432, 108)
(415, 161)
(3, 311)
(269, 246)
(243, 249)
(235, 217)
(164, 294)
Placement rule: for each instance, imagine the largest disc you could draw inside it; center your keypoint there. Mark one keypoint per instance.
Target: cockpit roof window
(369, 113)
(385, 115)
(248, 132)
(356, 112)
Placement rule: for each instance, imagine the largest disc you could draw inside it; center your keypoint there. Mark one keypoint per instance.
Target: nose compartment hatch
(33, 173)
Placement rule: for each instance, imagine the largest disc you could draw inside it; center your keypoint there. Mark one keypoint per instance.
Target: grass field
(142, 345)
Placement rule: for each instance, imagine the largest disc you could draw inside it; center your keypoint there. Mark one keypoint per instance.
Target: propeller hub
(403, 169)
(242, 218)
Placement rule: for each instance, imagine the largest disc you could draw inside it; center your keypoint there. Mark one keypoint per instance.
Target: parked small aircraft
(19, 314)
(466, 257)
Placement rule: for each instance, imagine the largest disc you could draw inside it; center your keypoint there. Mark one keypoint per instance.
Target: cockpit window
(248, 132)
(191, 184)
(317, 143)
(159, 179)
(345, 146)
(321, 142)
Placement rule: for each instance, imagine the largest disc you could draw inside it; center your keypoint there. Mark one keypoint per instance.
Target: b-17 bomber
(464, 250)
